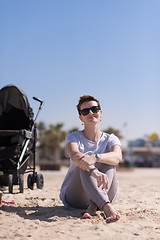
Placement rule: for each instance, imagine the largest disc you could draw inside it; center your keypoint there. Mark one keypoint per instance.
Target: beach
(39, 214)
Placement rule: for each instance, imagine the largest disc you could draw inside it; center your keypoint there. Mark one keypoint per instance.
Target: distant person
(90, 182)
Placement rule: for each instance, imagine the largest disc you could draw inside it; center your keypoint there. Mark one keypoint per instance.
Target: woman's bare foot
(111, 215)
(91, 211)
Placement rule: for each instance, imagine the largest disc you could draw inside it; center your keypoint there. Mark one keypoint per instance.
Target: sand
(39, 214)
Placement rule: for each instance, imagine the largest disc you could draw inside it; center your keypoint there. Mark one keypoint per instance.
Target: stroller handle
(40, 107)
(38, 99)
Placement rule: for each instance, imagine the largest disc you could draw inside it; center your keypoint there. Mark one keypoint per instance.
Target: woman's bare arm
(113, 157)
(77, 157)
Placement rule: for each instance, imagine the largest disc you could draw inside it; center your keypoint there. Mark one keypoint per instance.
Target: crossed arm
(87, 162)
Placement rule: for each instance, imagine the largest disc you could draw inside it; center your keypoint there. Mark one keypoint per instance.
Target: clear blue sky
(58, 50)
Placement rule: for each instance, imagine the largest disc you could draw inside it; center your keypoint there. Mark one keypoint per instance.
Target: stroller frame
(13, 175)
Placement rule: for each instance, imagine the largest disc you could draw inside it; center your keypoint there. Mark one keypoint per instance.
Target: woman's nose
(90, 111)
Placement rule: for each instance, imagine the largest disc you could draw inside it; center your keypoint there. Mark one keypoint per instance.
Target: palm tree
(116, 132)
(50, 140)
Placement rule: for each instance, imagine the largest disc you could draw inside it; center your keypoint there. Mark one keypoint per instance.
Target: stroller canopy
(13, 97)
(15, 111)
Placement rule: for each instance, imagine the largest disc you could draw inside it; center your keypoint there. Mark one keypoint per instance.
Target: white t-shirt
(103, 145)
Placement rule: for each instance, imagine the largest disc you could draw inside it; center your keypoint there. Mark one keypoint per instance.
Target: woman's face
(91, 117)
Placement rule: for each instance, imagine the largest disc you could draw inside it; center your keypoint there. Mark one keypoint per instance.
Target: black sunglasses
(86, 111)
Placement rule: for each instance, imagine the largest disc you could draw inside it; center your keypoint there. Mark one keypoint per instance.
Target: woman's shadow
(48, 214)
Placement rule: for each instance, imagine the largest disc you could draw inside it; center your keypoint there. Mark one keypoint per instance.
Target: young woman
(91, 181)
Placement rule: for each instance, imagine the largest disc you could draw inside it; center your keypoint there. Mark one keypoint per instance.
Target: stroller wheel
(39, 181)
(10, 183)
(21, 183)
(30, 182)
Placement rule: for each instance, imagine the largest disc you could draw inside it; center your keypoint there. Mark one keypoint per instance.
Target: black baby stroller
(17, 139)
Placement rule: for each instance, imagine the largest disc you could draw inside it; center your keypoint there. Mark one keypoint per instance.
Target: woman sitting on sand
(91, 181)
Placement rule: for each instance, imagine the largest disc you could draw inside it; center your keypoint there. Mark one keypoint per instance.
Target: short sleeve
(71, 137)
(113, 140)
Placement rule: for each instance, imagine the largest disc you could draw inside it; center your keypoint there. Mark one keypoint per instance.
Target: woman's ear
(101, 113)
(80, 117)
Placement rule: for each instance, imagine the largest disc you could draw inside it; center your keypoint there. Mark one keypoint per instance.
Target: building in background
(142, 153)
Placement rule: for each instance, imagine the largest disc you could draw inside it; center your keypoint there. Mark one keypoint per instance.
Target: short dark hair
(86, 98)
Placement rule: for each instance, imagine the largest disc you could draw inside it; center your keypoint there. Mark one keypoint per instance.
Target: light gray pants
(83, 189)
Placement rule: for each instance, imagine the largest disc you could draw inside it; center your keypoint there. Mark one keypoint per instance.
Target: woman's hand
(79, 159)
(86, 161)
(102, 179)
